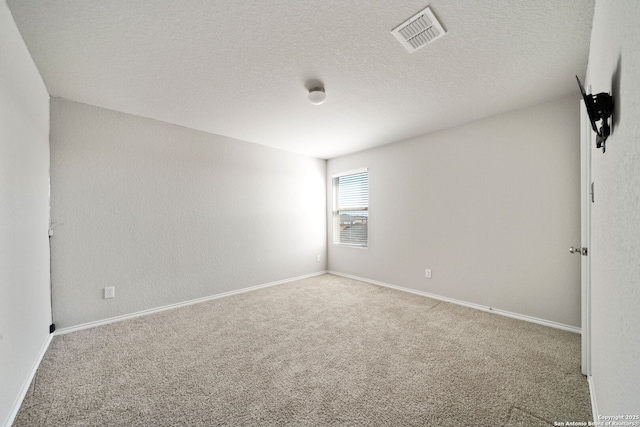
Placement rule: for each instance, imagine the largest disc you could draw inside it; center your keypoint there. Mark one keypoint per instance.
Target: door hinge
(591, 193)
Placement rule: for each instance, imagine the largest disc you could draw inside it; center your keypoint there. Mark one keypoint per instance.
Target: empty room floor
(326, 350)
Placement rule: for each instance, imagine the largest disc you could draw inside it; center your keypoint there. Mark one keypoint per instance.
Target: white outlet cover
(109, 292)
(427, 273)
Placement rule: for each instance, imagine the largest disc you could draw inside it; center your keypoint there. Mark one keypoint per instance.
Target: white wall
(25, 307)
(167, 214)
(491, 207)
(614, 67)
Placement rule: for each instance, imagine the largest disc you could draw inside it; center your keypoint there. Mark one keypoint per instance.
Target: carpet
(320, 351)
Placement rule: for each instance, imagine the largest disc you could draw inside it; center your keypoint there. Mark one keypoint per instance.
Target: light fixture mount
(317, 95)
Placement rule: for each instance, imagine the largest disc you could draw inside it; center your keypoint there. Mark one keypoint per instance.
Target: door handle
(581, 251)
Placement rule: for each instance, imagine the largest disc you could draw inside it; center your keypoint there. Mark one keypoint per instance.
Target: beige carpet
(320, 351)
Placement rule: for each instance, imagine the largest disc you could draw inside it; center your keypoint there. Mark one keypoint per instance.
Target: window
(351, 208)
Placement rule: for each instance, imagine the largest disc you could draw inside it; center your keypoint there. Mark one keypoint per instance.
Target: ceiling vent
(419, 30)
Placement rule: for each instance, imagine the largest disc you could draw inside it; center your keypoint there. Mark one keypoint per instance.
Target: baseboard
(465, 304)
(592, 393)
(27, 382)
(180, 304)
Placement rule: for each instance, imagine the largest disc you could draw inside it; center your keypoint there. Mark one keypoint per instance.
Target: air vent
(419, 30)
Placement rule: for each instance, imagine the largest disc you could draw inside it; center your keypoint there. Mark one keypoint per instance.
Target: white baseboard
(592, 393)
(465, 304)
(180, 304)
(27, 382)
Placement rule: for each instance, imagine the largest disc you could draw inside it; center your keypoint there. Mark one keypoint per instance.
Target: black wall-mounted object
(599, 107)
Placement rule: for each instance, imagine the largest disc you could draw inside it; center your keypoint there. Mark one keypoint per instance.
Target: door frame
(586, 199)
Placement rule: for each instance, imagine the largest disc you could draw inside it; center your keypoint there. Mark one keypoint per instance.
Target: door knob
(581, 251)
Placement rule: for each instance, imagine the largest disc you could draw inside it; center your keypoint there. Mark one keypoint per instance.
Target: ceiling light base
(317, 95)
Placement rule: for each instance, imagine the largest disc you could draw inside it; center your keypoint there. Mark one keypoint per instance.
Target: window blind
(351, 208)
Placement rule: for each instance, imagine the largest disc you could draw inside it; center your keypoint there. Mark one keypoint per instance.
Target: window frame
(336, 210)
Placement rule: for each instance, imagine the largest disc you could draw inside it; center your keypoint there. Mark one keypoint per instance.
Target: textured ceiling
(242, 68)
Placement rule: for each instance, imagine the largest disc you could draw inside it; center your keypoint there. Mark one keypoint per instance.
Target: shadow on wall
(615, 92)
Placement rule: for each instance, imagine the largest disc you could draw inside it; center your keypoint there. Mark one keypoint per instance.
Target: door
(586, 199)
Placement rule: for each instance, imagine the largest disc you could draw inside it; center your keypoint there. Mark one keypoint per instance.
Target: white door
(586, 199)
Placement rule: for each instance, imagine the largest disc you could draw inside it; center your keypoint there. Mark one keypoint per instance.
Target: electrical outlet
(109, 292)
(427, 273)
(317, 258)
